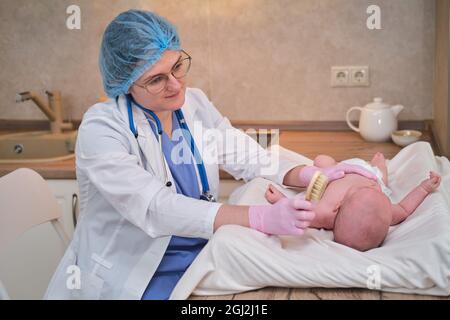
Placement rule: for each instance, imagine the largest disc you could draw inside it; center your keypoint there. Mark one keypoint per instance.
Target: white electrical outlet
(350, 76)
(359, 76)
(340, 76)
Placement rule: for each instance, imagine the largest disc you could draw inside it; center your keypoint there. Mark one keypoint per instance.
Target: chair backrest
(26, 201)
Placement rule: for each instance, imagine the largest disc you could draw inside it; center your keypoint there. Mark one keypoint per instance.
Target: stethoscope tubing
(206, 195)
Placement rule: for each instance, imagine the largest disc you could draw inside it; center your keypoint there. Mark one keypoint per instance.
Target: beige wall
(256, 59)
(441, 104)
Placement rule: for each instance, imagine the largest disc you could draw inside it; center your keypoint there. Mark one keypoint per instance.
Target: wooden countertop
(277, 293)
(49, 170)
(338, 144)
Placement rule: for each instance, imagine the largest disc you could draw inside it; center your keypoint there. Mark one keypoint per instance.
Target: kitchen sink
(37, 146)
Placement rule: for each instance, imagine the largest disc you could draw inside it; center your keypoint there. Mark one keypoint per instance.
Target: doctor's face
(161, 88)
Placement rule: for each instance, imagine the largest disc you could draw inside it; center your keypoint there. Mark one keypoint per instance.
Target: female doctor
(145, 215)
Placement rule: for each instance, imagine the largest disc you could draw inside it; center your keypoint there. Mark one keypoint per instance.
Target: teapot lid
(377, 104)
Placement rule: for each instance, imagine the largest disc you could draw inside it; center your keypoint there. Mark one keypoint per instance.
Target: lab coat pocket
(91, 287)
(91, 283)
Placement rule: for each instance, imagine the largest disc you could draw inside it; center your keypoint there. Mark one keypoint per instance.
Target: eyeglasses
(159, 82)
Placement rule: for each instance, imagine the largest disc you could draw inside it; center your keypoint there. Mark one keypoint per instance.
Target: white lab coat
(127, 214)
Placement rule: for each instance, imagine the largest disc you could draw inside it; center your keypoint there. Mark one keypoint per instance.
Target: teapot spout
(397, 109)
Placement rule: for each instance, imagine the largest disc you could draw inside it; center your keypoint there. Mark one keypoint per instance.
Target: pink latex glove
(285, 217)
(333, 173)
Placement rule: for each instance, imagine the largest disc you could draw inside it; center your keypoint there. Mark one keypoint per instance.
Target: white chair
(3, 294)
(30, 249)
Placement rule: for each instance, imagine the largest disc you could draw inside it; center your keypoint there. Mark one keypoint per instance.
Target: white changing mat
(415, 257)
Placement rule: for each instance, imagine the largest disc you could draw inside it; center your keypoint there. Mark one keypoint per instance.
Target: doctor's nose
(173, 84)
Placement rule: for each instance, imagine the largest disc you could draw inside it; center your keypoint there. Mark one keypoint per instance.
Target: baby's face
(364, 218)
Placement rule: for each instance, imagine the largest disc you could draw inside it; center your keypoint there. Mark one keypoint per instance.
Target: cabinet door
(67, 194)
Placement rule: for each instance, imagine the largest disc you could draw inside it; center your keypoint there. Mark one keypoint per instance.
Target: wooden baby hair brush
(316, 186)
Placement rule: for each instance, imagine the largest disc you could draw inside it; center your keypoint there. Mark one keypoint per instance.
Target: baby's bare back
(328, 206)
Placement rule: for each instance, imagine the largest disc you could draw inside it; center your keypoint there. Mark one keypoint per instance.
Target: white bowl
(405, 137)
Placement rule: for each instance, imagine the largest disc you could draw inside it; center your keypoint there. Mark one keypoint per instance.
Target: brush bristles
(316, 187)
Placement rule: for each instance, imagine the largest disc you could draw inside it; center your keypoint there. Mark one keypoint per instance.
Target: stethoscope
(206, 194)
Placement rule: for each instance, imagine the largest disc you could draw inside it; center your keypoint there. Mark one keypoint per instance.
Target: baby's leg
(379, 161)
(324, 161)
(273, 194)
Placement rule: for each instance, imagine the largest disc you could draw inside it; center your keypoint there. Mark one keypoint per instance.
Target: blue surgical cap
(131, 44)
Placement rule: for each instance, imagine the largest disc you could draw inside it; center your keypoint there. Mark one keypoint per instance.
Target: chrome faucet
(53, 110)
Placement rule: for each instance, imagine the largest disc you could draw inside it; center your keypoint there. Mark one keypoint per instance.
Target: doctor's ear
(131, 92)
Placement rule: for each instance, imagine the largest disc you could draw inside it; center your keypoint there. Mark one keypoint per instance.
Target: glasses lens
(157, 84)
(182, 68)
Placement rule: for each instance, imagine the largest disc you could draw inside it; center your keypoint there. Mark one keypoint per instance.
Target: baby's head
(363, 219)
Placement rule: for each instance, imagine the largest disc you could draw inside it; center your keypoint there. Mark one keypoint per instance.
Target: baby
(359, 209)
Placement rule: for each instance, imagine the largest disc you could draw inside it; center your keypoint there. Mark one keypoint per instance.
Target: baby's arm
(324, 161)
(321, 161)
(409, 203)
(273, 194)
(325, 215)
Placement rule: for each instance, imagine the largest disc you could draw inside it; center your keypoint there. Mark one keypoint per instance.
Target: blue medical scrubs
(181, 250)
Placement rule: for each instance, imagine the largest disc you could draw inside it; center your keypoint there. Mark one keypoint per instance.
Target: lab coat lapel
(193, 119)
(150, 148)
(148, 144)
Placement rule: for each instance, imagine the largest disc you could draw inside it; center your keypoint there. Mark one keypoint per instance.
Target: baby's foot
(432, 183)
(378, 160)
(273, 195)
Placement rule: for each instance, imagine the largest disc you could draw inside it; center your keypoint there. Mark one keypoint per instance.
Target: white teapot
(377, 121)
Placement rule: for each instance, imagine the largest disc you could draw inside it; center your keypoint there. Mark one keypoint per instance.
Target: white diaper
(374, 170)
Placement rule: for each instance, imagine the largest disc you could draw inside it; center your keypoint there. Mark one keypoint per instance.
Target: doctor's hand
(333, 173)
(285, 217)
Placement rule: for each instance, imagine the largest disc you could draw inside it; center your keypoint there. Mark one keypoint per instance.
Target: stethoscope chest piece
(207, 196)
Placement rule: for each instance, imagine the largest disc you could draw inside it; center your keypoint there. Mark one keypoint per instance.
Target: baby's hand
(432, 183)
(272, 194)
